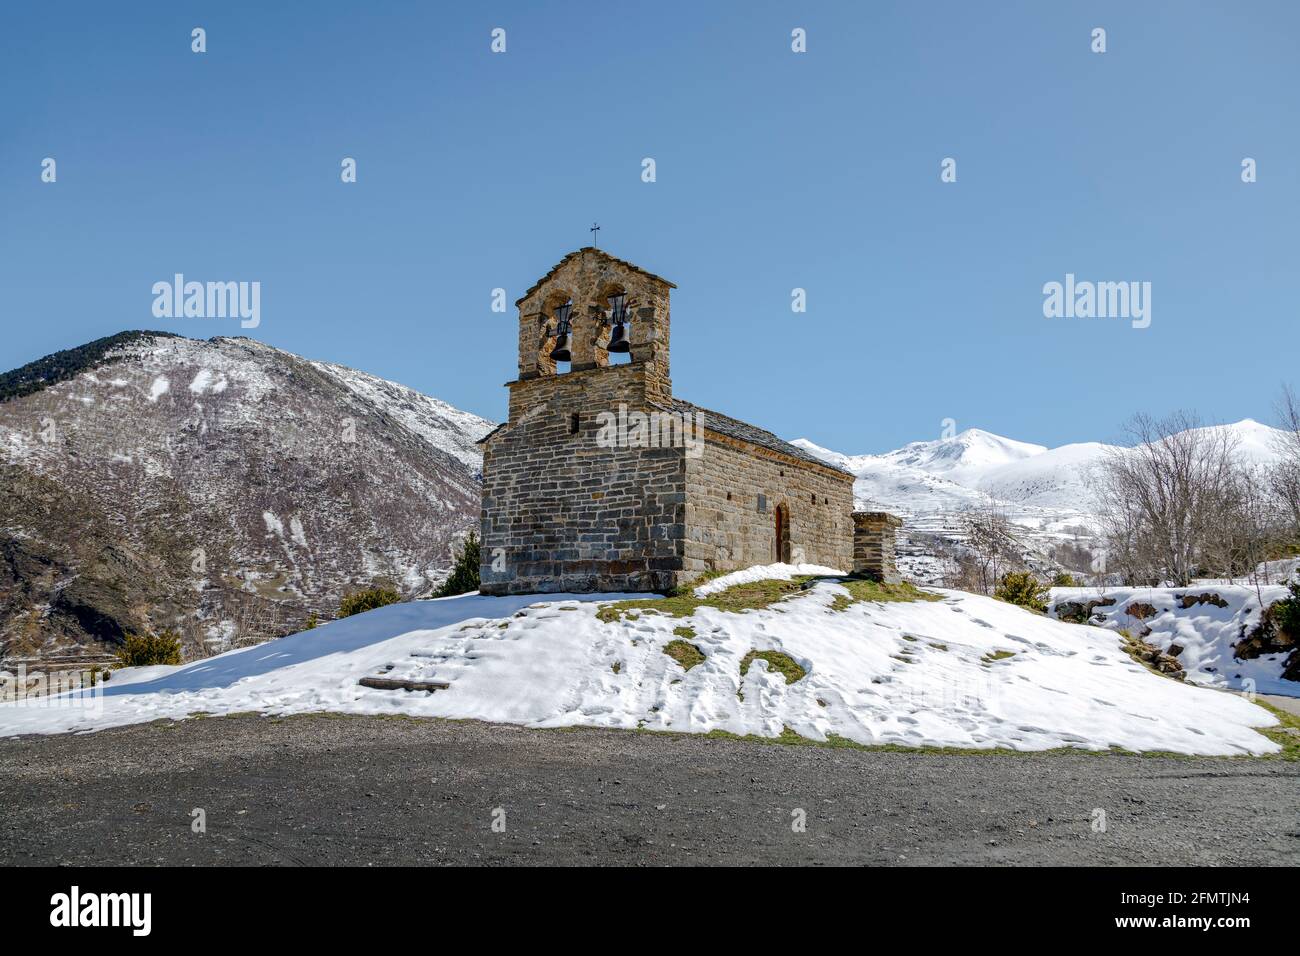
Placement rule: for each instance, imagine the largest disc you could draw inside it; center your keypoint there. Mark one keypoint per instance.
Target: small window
(728, 495)
(814, 499)
(762, 504)
(573, 424)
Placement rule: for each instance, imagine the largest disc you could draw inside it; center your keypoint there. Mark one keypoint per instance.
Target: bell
(618, 317)
(561, 351)
(563, 336)
(618, 339)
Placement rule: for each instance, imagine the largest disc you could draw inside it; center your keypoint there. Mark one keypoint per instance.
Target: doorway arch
(783, 533)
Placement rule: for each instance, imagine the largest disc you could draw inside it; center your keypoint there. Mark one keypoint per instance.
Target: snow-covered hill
(964, 671)
(223, 488)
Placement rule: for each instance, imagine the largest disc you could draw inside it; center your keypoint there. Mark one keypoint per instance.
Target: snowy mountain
(223, 488)
(964, 458)
(1044, 490)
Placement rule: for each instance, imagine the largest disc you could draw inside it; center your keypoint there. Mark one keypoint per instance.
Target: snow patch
(910, 673)
(207, 381)
(763, 572)
(159, 388)
(1205, 632)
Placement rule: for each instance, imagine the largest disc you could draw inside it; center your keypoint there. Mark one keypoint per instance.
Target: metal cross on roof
(595, 228)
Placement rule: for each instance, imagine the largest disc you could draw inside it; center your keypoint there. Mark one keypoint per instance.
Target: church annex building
(602, 480)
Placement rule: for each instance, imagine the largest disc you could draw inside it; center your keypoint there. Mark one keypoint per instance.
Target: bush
(1286, 613)
(1063, 579)
(146, 650)
(464, 576)
(367, 600)
(1023, 589)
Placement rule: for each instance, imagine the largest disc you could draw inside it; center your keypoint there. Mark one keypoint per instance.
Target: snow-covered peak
(247, 363)
(1255, 442)
(964, 456)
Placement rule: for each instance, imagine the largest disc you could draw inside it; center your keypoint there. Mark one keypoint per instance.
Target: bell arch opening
(555, 341)
(614, 338)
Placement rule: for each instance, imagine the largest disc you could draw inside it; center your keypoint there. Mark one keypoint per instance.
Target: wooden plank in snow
(388, 683)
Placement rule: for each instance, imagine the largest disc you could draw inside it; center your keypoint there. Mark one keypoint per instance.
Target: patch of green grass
(684, 653)
(940, 647)
(616, 667)
(864, 589)
(1287, 733)
(782, 663)
(993, 656)
(788, 737)
(740, 597)
(684, 631)
(684, 590)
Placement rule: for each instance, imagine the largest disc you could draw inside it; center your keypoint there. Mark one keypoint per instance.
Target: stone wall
(561, 513)
(733, 490)
(873, 545)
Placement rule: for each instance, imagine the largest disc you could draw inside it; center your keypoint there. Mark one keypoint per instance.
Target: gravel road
(359, 790)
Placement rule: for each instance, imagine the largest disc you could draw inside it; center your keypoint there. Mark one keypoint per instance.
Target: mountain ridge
(220, 487)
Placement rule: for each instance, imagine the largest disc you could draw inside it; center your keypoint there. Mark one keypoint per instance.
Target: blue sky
(775, 170)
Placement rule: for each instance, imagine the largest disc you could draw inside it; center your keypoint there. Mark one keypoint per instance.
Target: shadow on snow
(340, 637)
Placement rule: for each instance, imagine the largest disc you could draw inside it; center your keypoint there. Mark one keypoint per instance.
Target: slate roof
(732, 428)
(735, 428)
(483, 440)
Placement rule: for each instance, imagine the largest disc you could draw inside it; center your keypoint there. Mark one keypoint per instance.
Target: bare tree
(1247, 529)
(1285, 477)
(992, 547)
(1163, 498)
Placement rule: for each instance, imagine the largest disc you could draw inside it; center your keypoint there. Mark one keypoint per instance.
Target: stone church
(602, 480)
